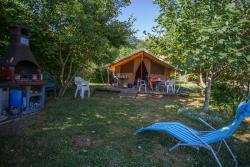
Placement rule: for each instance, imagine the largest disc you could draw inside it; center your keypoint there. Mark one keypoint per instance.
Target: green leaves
(208, 28)
(213, 35)
(78, 34)
(221, 41)
(230, 7)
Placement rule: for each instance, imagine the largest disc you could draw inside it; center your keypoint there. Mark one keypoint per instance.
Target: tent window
(127, 68)
(156, 68)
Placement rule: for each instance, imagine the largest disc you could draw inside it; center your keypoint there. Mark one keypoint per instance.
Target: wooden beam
(108, 77)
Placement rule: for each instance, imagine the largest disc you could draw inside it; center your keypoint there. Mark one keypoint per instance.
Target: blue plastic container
(15, 98)
(130, 85)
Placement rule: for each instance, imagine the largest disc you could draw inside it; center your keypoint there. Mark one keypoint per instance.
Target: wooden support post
(108, 77)
(141, 64)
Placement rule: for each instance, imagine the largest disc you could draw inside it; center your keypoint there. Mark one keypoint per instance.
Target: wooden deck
(133, 92)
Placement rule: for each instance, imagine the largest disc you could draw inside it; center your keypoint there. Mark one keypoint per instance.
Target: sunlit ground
(100, 131)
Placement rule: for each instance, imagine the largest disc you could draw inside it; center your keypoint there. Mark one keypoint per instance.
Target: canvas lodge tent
(141, 65)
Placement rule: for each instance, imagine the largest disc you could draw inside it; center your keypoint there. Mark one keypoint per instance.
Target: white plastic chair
(170, 86)
(142, 83)
(81, 87)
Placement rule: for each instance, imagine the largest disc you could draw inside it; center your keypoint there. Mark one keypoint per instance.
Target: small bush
(227, 97)
(213, 116)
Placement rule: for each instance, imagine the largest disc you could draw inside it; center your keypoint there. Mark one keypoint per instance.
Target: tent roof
(136, 54)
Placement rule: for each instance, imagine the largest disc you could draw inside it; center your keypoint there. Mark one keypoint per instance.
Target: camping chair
(193, 138)
(81, 86)
(170, 86)
(51, 83)
(142, 83)
(152, 80)
(162, 85)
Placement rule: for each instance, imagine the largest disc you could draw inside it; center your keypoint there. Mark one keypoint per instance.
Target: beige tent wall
(137, 63)
(130, 79)
(147, 61)
(117, 69)
(161, 76)
(130, 76)
(166, 75)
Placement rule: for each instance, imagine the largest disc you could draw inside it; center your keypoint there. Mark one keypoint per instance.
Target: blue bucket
(15, 98)
(130, 85)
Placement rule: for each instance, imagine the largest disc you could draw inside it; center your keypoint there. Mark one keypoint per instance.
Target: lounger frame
(207, 146)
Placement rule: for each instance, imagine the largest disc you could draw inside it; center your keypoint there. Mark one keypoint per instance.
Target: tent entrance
(141, 72)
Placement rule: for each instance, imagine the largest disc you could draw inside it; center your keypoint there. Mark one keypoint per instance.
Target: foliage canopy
(68, 37)
(208, 37)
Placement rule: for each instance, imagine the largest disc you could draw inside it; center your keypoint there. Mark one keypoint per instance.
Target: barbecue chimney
(19, 64)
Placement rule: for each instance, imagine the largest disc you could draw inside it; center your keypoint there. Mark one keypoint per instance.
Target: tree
(70, 37)
(212, 36)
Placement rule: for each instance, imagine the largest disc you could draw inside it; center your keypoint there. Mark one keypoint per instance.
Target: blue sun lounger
(191, 137)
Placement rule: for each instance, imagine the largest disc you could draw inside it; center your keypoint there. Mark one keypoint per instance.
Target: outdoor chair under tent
(142, 84)
(170, 86)
(191, 137)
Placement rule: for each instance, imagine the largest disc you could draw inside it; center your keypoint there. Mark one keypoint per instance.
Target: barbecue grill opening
(26, 70)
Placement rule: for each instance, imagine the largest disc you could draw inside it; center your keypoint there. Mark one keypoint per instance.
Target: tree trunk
(208, 92)
(67, 86)
(202, 84)
(101, 75)
(248, 90)
(65, 82)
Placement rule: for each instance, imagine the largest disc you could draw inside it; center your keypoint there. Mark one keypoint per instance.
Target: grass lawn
(100, 131)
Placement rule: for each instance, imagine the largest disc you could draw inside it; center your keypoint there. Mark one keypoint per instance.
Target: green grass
(99, 131)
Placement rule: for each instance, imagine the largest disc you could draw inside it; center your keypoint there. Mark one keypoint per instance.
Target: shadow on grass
(99, 131)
